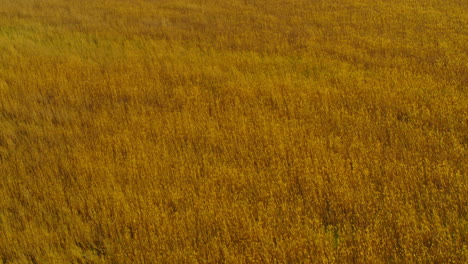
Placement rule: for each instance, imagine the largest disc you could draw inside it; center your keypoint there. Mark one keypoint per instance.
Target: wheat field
(240, 131)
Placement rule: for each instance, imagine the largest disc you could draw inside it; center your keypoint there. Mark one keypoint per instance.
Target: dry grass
(218, 131)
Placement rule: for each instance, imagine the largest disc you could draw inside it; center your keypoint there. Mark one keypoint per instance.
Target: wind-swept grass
(218, 131)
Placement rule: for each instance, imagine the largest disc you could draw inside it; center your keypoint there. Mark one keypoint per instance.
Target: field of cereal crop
(240, 131)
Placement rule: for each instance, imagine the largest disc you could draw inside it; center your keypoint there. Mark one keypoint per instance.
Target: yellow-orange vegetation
(233, 131)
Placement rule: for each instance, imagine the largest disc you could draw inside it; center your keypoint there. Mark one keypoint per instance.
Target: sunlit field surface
(233, 131)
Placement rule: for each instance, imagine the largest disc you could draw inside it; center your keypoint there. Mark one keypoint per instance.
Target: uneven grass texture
(233, 131)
